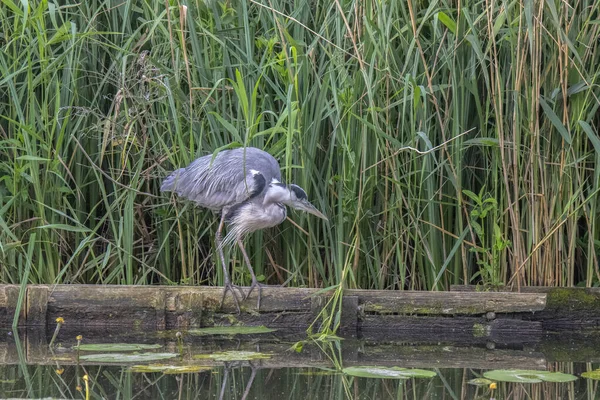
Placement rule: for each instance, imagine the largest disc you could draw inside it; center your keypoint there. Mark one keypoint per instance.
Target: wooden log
(280, 320)
(274, 299)
(133, 306)
(467, 330)
(36, 303)
(447, 303)
(182, 307)
(9, 297)
(568, 309)
(349, 322)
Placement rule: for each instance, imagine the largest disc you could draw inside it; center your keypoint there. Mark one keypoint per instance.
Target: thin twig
(417, 150)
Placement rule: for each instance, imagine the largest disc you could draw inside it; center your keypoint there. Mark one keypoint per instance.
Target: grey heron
(244, 185)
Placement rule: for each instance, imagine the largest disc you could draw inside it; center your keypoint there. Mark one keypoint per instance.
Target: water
(28, 369)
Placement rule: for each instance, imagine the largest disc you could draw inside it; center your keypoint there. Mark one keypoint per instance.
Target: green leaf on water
(127, 358)
(234, 356)
(169, 369)
(528, 376)
(480, 382)
(594, 375)
(116, 347)
(231, 330)
(388, 372)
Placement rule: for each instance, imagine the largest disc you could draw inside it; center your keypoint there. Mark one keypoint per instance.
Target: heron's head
(292, 196)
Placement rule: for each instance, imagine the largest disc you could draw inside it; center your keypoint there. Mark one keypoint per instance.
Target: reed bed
(448, 142)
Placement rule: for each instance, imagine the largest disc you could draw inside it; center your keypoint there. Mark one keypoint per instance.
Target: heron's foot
(258, 287)
(228, 287)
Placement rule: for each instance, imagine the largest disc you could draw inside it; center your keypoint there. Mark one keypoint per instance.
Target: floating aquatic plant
(234, 356)
(528, 376)
(127, 357)
(594, 375)
(117, 347)
(480, 382)
(388, 372)
(169, 369)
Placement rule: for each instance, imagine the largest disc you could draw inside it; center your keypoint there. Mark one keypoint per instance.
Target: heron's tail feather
(234, 232)
(170, 182)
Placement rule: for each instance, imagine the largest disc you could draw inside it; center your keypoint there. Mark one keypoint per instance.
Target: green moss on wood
(480, 330)
(572, 299)
(437, 308)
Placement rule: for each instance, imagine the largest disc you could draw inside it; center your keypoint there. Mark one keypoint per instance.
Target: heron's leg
(254, 280)
(250, 381)
(228, 285)
(225, 379)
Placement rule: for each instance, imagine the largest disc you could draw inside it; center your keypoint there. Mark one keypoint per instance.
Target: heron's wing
(225, 181)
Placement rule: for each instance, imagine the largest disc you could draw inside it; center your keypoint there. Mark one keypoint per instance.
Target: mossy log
(566, 309)
(461, 330)
(181, 307)
(446, 303)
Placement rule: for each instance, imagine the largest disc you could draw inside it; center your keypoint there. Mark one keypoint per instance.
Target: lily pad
(169, 369)
(116, 347)
(594, 375)
(231, 330)
(480, 382)
(234, 356)
(127, 357)
(528, 376)
(61, 358)
(388, 372)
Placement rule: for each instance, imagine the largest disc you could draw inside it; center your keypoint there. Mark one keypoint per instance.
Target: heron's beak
(309, 208)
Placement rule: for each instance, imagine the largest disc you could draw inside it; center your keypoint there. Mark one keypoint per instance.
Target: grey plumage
(225, 181)
(244, 185)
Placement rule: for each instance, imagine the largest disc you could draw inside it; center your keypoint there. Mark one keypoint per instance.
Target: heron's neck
(277, 194)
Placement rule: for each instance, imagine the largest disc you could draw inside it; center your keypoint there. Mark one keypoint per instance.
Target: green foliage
(484, 215)
(528, 376)
(365, 105)
(388, 372)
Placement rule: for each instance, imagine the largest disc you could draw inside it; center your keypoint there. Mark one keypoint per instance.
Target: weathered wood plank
(281, 320)
(468, 330)
(133, 306)
(568, 308)
(274, 299)
(181, 307)
(447, 303)
(9, 297)
(37, 304)
(349, 322)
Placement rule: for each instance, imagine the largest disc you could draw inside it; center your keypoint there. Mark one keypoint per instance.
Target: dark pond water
(264, 366)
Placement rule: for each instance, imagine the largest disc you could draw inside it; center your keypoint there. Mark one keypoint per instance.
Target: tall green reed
(99, 102)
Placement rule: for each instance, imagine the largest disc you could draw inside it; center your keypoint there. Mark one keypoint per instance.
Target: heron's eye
(299, 192)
